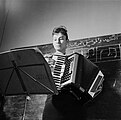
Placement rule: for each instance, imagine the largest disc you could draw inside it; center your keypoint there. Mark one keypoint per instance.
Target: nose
(58, 40)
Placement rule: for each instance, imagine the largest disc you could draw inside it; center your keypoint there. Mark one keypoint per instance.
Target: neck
(60, 52)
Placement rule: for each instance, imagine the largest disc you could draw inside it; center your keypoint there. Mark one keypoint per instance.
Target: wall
(30, 22)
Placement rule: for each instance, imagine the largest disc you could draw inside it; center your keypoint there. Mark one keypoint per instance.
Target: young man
(62, 106)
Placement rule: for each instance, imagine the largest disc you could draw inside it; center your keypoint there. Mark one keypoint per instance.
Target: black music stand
(25, 71)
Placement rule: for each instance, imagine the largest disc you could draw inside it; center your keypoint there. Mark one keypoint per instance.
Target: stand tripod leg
(25, 106)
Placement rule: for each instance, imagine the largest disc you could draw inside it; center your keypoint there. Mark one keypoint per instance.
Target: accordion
(78, 70)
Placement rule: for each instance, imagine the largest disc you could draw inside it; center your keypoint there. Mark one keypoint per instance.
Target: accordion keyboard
(58, 69)
(64, 70)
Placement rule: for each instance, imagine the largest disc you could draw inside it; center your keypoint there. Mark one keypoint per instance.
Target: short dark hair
(61, 29)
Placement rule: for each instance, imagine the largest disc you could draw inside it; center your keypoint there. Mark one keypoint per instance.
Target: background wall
(30, 22)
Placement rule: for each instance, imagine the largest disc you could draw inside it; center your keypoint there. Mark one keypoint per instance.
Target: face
(60, 42)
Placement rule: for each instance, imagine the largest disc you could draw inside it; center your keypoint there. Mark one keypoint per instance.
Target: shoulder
(48, 57)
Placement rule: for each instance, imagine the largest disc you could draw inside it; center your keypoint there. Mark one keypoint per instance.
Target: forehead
(57, 35)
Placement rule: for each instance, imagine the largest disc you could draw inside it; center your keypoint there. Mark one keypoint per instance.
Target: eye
(61, 38)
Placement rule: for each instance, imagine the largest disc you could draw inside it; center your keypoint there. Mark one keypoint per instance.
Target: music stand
(25, 71)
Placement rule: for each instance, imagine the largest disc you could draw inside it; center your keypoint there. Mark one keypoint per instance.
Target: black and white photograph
(60, 60)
